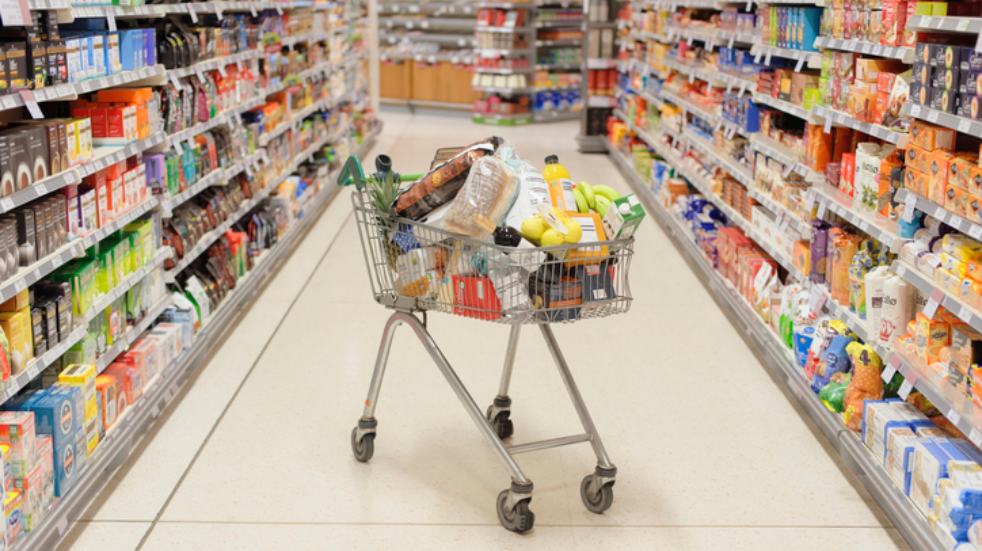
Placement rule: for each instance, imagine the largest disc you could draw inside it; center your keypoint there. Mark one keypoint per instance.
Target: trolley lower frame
(495, 424)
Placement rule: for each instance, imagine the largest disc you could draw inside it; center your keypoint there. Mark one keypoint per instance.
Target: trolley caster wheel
(501, 423)
(363, 449)
(596, 501)
(518, 519)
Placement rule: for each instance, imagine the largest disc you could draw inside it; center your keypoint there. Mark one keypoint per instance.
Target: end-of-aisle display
(818, 165)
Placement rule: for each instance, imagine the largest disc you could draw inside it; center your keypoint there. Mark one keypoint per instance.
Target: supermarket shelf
(965, 312)
(505, 71)
(29, 275)
(559, 67)
(786, 157)
(643, 135)
(936, 211)
(215, 63)
(503, 90)
(785, 106)
(962, 124)
(709, 36)
(105, 300)
(740, 173)
(35, 366)
(559, 24)
(124, 341)
(102, 157)
(860, 46)
(555, 116)
(429, 8)
(709, 116)
(839, 118)
(429, 23)
(557, 43)
(71, 91)
(833, 200)
(216, 233)
(445, 39)
(316, 36)
(852, 319)
(955, 406)
(968, 25)
(776, 358)
(503, 120)
(601, 102)
(735, 37)
(502, 30)
(296, 118)
(222, 118)
(168, 204)
(498, 52)
(731, 80)
(601, 63)
(812, 59)
(123, 438)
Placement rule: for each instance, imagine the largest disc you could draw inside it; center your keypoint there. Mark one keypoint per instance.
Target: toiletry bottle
(560, 184)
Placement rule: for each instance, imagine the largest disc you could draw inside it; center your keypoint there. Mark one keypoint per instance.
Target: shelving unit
(122, 438)
(599, 75)
(679, 142)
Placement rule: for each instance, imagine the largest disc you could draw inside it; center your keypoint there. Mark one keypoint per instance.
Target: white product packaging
(897, 308)
(874, 281)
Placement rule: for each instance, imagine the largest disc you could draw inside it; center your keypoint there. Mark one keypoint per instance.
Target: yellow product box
(947, 280)
(954, 265)
(17, 302)
(82, 376)
(17, 327)
(931, 337)
(593, 231)
(961, 247)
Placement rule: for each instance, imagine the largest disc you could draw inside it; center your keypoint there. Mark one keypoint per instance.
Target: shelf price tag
(954, 417)
(32, 105)
(111, 20)
(192, 13)
(975, 231)
(964, 125)
(975, 436)
(910, 202)
(798, 66)
(221, 71)
(933, 302)
(730, 43)
(821, 210)
(905, 389)
(828, 125)
(890, 370)
(767, 59)
(978, 44)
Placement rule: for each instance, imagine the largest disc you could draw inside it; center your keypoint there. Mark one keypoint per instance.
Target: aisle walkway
(710, 453)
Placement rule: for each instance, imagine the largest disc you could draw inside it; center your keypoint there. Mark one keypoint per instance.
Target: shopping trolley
(415, 268)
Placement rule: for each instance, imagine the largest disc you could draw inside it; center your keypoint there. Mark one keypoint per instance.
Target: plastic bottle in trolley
(560, 184)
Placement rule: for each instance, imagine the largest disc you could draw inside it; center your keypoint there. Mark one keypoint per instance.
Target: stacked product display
(529, 62)
(153, 177)
(820, 165)
(427, 53)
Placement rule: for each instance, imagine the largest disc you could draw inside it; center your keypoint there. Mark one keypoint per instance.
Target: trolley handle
(353, 173)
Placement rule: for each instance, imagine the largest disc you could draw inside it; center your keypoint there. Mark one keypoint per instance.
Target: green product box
(623, 217)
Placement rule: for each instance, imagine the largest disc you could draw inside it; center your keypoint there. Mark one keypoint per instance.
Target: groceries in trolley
(485, 234)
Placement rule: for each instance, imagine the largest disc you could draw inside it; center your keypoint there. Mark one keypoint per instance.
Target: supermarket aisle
(710, 453)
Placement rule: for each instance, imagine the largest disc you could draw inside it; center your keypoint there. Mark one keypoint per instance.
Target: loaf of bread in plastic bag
(483, 201)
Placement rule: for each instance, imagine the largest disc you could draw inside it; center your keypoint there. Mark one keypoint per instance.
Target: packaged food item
(482, 202)
(441, 184)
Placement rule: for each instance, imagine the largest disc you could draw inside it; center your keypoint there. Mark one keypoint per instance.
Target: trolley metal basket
(416, 268)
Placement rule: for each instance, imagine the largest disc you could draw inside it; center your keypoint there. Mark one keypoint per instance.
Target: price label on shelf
(798, 66)
(975, 437)
(962, 25)
(238, 64)
(964, 125)
(933, 302)
(692, 78)
(821, 210)
(828, 125)
(6, 204)
(32, 105)
(978, 44)
(910, 203)
(221, 71)
(174, 81)
(757, 58)
(111, 20)
(279, 10)
(192, 13)
(767, 59)
(888, 372)
(730, 43)
(953, 416)
(975, 231)
(965, 312)
(905, 389)
(932, 116)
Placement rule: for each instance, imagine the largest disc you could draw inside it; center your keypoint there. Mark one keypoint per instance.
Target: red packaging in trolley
(474, 297)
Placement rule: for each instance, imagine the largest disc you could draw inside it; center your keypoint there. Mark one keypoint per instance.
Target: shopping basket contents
(486, 235)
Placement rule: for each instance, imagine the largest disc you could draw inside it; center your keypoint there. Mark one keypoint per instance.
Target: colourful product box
(18, 328)
(128, 379)
(58, 412)
(17, 430)
(13, 516)
(112, 402)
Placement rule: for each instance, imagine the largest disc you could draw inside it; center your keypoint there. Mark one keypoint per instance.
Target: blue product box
(130, 49)
(810, 25)
(598, 282)
(150, 46)
(58, 412)
(803, 337)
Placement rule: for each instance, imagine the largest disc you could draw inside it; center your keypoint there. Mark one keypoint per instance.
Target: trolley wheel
(518, 519)
(596, 501)
(363, 449)
(501, 424)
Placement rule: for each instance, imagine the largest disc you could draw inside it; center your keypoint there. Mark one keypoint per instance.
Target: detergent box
(58, 412)
(17, 431)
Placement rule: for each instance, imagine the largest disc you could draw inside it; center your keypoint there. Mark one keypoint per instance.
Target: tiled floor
(710, 454)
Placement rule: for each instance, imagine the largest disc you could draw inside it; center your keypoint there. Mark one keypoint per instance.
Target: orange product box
(801, 256)
(960, 172)
(938, 175)
(112, 402)
(916, 181)
(956, 200)
(918, 158)
(128, 381)
(847, 174)
(474, 297)
(931, 335)
(931, 137)
(975, 179)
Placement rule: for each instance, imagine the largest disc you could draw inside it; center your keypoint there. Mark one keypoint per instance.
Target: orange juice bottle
(560, 184)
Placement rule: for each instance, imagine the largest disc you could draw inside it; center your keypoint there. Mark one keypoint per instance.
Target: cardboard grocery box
(18, 328)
